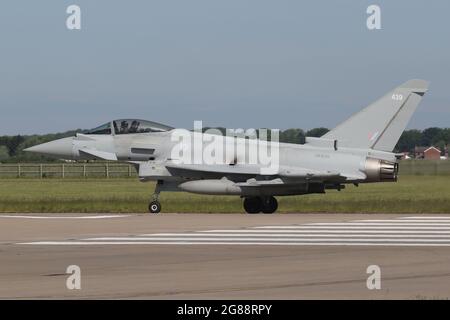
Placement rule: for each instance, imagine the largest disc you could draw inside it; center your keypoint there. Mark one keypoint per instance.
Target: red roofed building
(427, 153)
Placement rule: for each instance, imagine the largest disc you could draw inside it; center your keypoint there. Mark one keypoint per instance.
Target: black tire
(269, 205)
(252, 205)
(154, 207)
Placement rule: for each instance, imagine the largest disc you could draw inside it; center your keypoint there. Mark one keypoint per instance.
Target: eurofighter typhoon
(359, 150)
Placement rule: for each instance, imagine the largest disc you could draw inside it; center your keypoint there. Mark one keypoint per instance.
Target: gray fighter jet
(359, 150)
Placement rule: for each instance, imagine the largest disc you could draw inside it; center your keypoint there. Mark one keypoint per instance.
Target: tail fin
(380, 125)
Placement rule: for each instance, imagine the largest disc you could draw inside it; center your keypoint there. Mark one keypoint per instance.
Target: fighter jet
(359, 150)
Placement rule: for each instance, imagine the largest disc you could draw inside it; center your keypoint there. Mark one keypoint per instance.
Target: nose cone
(62, 148)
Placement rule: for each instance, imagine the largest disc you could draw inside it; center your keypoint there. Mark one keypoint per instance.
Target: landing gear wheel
(269, 205)
(154, 207)
(253, 205)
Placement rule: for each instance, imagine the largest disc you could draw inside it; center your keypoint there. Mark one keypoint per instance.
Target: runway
(175, 256)
(405, 231)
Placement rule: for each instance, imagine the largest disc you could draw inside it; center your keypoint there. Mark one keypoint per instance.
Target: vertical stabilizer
(380, 125)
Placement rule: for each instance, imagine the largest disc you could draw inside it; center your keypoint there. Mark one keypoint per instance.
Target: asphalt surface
(229, 256)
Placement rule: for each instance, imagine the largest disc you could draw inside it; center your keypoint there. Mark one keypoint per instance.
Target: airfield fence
(125, 170)
(425, 167)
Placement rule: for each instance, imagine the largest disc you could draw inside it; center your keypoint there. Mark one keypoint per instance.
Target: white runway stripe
(86, 243)
(406, 221)
(268, 231)
(64, 217)
(381, 232)
(427, 217)
(294, 235)
(353, 227)
(163, 239)
(378, 224)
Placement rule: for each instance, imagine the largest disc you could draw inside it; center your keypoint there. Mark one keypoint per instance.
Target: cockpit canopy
(129, 126)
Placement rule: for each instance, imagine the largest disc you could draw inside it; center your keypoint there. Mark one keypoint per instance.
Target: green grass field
(411, 194)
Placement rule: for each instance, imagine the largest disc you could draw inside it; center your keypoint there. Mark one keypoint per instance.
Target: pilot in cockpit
(134, 126)
(124, 127)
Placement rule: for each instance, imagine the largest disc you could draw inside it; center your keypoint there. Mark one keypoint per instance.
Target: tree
(408, 140)
(431, 136)
(440, 145)
(292, 136)
(317, 132)
(3, 153)
(12, 143)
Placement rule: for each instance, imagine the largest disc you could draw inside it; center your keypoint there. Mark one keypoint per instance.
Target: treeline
(11, 147)
(437, 137)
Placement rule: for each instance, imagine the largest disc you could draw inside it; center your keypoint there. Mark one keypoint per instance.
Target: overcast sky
(232, 63)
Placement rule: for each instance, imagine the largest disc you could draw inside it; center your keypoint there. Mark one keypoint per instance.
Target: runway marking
(426, 217)
(268, 231)
(83, 243)
(265, 235)
(395, 232)
(63, 217)
(404, 220)
(378, 224)
(353, 227)
(295, 235)
(260, 239)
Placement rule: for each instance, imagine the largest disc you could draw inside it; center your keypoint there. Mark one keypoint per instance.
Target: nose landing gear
(155, 205)
(254, 205)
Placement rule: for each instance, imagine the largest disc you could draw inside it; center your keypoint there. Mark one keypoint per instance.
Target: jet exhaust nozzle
(381, 170)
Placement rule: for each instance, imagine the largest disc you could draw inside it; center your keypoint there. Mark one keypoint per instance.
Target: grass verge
(412, 194)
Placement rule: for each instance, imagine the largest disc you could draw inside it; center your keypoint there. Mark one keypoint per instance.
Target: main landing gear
(260, 204)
